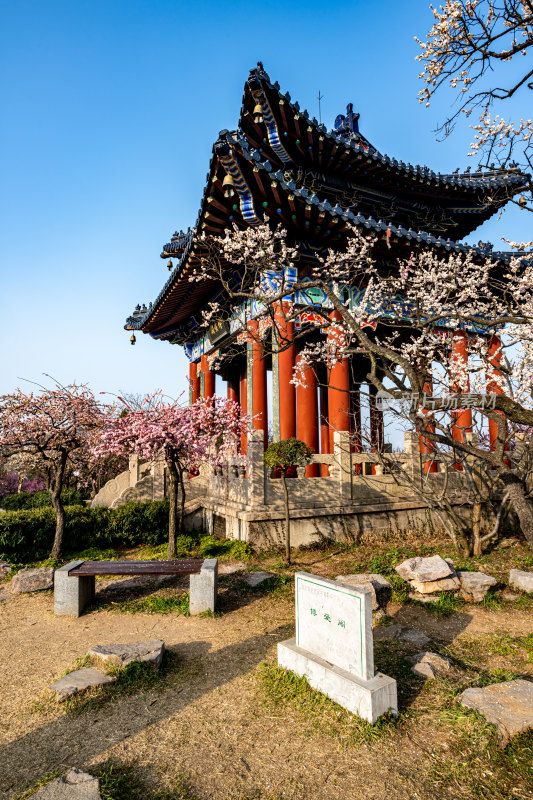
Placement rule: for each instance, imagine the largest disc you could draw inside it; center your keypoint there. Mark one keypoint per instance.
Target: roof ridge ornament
(349, 123)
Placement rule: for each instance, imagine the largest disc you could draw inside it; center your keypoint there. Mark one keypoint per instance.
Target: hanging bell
(133, 339)
(522, 202)
(227, 186)
(169, 265)
(258, 113)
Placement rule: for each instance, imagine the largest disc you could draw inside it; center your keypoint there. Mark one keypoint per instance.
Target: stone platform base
(367, 699)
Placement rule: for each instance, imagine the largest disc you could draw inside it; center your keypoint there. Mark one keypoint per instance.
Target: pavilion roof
(267, 188)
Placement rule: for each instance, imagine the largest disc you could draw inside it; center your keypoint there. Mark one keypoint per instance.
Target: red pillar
(233, 386)
(287, 390)
(324, 428)
(462, 419)
(338, 386)
(426, 445)
(376, 423)
(259, 384)
(307, 420)
(244, 404)
(194, 380)
(209, 379)
(494, 384)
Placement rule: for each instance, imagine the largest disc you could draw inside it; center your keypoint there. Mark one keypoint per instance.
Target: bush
(27, 500)
(27, 535)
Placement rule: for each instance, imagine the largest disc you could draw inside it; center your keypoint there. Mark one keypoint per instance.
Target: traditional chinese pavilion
(282, 165)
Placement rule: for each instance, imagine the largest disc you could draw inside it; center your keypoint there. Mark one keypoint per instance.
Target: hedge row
(27, 536)
(27, 500)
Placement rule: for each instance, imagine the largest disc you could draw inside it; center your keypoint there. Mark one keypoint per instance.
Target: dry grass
(223, 722)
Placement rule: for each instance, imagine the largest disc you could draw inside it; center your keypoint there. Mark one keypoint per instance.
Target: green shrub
(27, 536)
(28, 500)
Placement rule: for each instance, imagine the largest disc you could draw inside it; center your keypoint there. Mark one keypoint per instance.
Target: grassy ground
(221, 720)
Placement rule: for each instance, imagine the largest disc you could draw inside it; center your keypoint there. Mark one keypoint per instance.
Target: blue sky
(109, 113)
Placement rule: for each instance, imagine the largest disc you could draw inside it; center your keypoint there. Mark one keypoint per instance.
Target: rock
(508, 706)
(230, 569)
(256, 578)
(424, 598)
(509, 597)
(33, 579)
(5, 569)
(421, 569)
(79, 681)
(387, 632)
(75, 785)
(123, 654)
(430, 665)
(379, 587)
(442, 585)
(377, 616)
(475, 585)
(413, 636)
(521, 581)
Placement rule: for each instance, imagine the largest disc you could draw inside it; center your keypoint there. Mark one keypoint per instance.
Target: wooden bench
(74, 584)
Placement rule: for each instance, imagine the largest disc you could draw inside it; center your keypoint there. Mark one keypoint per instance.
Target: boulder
(378, 586)
(256, 578)
(521, 581)
(509, 597)
(475, 585)
(5, 569)
(79, 681)
(33, 579)
(75, 785)
(430, 665)
(423, 570)
(508, 706)
(430, 587)
(122, 654)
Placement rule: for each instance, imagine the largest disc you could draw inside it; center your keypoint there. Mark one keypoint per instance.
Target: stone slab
(79, 681)
(475, 585)
(521, 581)
(32, 579)
(368, 699)
(75, 785)
(508, 706)
(230, 569)
(413, 636)
(334, 622)
(442, 585)
(378, 586)
(204, 588)
(254, 579)
(424, 569)
(123, 654)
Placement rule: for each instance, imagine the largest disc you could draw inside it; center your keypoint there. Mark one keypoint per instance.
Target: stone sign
(332, 621)
(334, 649)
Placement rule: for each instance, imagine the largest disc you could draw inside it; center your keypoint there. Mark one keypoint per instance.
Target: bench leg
(72, 593)
(203, 588)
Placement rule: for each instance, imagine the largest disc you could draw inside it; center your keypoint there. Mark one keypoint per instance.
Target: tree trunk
(515, 489)
(287, 518)
(476, 524)
(173, 500)
(55, 494)
(182, 504)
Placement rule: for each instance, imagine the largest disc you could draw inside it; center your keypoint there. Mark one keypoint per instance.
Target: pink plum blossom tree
(55, 425)
(208, 432)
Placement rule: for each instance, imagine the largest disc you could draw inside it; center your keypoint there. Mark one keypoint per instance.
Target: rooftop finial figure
(348, 123)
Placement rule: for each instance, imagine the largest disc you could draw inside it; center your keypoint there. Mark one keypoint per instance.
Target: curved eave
(338, 153)
(180, 299)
